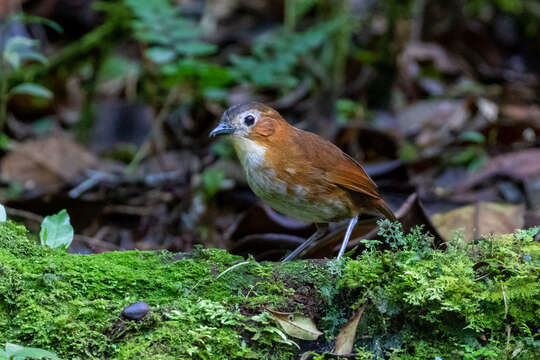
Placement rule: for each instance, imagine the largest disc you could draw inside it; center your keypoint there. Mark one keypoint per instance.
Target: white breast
(249, 152)
(261, 179)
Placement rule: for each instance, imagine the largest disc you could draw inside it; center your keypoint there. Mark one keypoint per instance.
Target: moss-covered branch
(476, 301)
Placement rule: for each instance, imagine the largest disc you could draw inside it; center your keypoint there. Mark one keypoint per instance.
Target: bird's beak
(222, 129)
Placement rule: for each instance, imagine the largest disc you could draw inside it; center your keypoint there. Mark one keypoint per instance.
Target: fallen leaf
(519, 165)
(434, 123)
(46, 164)
(523, 113)
(417, 52)
(298, 326)
(433, 114)
(480, 219)
(345, 339)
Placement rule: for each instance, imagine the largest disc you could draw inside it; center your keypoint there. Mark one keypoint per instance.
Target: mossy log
(479, 302)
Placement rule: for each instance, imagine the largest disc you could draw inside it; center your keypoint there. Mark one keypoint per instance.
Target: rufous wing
(353, 177)
(344, 171)
(350, 175)
(338, 167)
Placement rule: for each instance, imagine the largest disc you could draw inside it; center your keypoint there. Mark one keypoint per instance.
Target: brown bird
(299, 173)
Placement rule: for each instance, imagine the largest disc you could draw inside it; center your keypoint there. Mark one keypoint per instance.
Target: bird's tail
(385, 210)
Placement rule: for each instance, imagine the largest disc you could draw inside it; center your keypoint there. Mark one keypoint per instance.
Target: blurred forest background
(106, 106)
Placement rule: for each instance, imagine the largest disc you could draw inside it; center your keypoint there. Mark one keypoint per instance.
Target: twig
(156, 127)
(156, 179)
(95, 243)
(127, 210)
(418, 20)
(95, 178)
(24, 214)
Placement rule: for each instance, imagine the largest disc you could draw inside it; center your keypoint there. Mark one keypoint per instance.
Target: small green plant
(348, 109)
(277, 55)
(169, 35)
(56, 231)
(474, 155)
(214, 179)
(18, 352)
(174, 44)
(527, 11)
(16, 51)
(470, 289)
(408, 152)
(207, 80)
(223, 148)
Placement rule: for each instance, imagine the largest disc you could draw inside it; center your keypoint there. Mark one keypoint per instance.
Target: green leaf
(3, 216)
(183, 33)
(12, 58)
(12, 348)
(196, 48)
(4, 142)
(472, 136)
(213, 181)
(16, 43)
(14, 49)
(33, 55)
(29, 19)
(32, 89)
(223, 148)
(118, 67)
(56, 231)
(160, 55)
(33, 353)
(215, 94)
(303, 6)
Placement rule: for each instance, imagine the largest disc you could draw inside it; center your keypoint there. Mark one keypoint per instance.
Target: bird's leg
(321, 231)
(350, 228)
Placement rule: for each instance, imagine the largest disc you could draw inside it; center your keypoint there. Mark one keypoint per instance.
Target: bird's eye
(249, 120)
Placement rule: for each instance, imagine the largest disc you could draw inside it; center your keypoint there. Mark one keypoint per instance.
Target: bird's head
(250, 121)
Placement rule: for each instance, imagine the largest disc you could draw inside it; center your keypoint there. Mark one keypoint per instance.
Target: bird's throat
(250, 153)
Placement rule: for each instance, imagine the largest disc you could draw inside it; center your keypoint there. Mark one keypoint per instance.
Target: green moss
(453, 304)
(72, 303)
(422, 303)
(13, 238)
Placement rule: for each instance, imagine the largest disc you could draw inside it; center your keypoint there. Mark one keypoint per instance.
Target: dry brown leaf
(417, 52)
(480, 219)
(523, 113)
(45, 164)
(345, 339)
(297, 326)
(519, 165)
